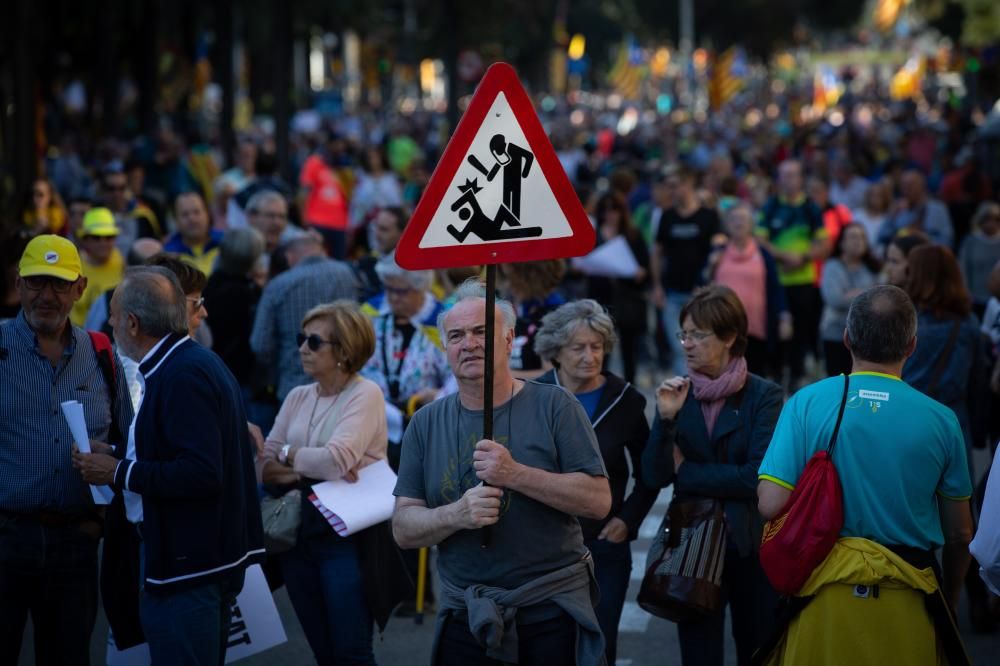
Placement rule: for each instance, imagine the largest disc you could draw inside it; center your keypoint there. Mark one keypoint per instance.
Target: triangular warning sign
(499, 193)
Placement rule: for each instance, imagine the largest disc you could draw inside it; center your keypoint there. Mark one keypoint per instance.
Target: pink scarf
(712, 393)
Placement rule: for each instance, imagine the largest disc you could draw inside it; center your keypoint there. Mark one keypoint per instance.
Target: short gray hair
(881, 324)
(474, 289)
(263, 197)
(387, 268)
(562, 323)
(239, 250)
(154, 295)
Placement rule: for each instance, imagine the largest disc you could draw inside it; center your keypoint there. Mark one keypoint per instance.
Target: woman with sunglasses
(327, 431)
(709, 435)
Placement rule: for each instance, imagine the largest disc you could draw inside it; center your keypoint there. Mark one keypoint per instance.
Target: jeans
(751, 602)
(612, 569)
(189, 626)
(324, 584)
(546, 643)
(51, 573)
(671, 322)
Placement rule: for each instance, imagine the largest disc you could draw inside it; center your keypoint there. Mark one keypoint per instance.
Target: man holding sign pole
(49, 526)
(527, 484)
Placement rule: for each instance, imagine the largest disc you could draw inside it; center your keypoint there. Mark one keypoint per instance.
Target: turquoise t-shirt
(897, 448)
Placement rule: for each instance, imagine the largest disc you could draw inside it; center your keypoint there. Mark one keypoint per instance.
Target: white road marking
(634, 619)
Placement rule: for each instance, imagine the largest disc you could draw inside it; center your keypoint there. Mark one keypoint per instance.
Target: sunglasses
(197, 302)
(40, 282)
(313, 341)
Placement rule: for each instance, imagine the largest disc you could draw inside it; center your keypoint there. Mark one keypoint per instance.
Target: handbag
(683, 579)
(804, 532)
(281, 517)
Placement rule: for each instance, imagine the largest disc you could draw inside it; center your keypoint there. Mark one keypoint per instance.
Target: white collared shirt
(133, 501)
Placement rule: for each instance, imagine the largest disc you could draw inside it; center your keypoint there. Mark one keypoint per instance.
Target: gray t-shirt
(551, 432)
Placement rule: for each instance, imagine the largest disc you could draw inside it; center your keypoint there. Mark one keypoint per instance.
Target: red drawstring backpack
(803, 534)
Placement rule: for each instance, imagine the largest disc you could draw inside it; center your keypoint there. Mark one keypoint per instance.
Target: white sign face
(254, 626)
(499, 193)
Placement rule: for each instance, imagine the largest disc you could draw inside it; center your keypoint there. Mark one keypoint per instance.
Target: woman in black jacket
(710, 435)
(575, 338)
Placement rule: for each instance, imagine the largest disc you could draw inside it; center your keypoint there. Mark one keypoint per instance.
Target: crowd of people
(265, 339)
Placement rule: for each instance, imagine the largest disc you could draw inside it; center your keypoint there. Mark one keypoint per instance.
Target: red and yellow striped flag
(727, 78)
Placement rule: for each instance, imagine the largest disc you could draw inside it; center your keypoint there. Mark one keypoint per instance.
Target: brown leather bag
(683, 578)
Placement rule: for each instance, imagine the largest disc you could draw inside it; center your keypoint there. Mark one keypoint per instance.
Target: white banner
(254, 626)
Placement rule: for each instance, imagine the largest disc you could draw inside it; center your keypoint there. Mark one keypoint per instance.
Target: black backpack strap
(840, 417)
(106, 362)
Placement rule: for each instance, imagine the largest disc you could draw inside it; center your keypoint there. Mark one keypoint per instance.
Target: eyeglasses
(40, 282)
(398, 291)
(313, 341)
(197, 302)
(694, 337)
(269, 216)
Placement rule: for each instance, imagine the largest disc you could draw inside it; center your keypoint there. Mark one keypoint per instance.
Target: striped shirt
(36, 467)
(283, 304)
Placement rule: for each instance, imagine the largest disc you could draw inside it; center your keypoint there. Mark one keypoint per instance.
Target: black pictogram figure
(480, 224)
(516, 163)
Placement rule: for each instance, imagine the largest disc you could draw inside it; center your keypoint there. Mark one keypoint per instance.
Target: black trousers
(759, 360)
(838, 358)
(49, 573)
(546, 643)
(752, 602)
(806, 307)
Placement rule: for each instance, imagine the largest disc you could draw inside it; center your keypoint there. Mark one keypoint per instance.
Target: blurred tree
(761, 26)
(974, 23)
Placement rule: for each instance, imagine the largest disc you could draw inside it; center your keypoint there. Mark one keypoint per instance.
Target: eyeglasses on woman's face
(314, 342)
(694, 337)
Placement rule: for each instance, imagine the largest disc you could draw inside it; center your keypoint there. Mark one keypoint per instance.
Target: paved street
(644, 640)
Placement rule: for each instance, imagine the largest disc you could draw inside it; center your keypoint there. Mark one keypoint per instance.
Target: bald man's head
(142, 249)
(154, 296)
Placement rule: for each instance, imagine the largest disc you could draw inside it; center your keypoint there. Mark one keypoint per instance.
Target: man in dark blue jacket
(188, 475)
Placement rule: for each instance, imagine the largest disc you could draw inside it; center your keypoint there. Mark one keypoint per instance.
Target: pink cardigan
(355, 424)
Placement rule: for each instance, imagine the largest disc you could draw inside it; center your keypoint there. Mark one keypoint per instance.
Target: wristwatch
(283, 454)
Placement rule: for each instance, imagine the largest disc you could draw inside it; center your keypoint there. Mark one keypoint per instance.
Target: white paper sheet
(73, 411)
(611, 259)
(359, 505)
(254, 626)
(394, 422)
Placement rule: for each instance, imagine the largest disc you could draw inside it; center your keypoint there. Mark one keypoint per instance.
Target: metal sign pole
(491, 300)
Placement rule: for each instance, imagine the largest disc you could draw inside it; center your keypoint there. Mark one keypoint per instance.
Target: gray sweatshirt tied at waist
(493, 611)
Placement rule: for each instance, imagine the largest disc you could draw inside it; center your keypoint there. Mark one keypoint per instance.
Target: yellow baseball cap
(50, 255)
(98, 222)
